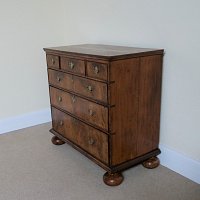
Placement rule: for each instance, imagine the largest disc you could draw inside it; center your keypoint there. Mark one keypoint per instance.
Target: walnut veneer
(105, 102)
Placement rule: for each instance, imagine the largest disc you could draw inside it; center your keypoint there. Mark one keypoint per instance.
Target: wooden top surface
(104, 51)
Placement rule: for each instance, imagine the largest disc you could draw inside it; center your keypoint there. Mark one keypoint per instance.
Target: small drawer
(73, 65)
(89, 88)
(82, 108)
(53, 61)
(97, 70)
(88, 138)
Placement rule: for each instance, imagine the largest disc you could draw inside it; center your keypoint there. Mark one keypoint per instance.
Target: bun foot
(151, 163)
(57, 141)
(113, 179)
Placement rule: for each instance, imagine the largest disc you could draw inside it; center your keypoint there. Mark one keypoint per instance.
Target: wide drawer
(97, 70)
(88, 138)
(83, 86)
(82, 108)
(72, 65)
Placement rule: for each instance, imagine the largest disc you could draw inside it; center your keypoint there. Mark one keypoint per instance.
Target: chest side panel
(123, 115)
(149, 103)
(135, 118)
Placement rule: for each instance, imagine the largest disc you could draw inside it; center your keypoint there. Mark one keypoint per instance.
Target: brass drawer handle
(89, 87)
(96, 69)
(91, 112)
(73, 98)
(59, 99)
(91, 141)
(58, 79)
(71, 65)
(53, 61)
(61, 123)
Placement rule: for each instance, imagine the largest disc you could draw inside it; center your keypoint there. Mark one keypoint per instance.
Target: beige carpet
(32, 168)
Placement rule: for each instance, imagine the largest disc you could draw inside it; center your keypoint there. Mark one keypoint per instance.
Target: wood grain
(79, 85)
(97, 70)
(88, 138)
(123, 117)
(72, 65)
(107, 52)
(106, 103)
(84, 109)
(149, 103)
(53, 61)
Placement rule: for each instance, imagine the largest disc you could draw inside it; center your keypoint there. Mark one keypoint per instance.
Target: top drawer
(72, 65)
(97, 70)
(53, 61)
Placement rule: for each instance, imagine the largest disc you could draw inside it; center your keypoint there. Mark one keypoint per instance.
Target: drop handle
(91, 112)
(91, 141)
(61, 123)
(71, 65)
(59, 99)
(53, 61)
(96, 69)
(89, 87)
(73, 98)
(58, 79)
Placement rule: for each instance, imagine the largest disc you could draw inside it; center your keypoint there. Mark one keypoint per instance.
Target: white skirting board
(25, 120)
(168, 158)
(180, 163)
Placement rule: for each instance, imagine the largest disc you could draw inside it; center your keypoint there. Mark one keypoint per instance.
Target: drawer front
(73, 65)
(83, 86)
(97, 70)
(91, 140)
(84, 109)
(53, 61)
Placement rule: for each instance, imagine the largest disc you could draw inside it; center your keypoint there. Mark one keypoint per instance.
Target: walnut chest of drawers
(105, 102)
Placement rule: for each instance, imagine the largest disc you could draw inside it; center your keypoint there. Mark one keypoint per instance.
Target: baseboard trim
(169, 158)
(25, 120)
(180, 163)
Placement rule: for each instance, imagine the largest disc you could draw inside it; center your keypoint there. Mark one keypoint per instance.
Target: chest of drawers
(105, 102)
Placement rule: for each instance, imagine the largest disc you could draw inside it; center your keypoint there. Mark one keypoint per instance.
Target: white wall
(172, 25)
(25, 28)
(28, 26)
